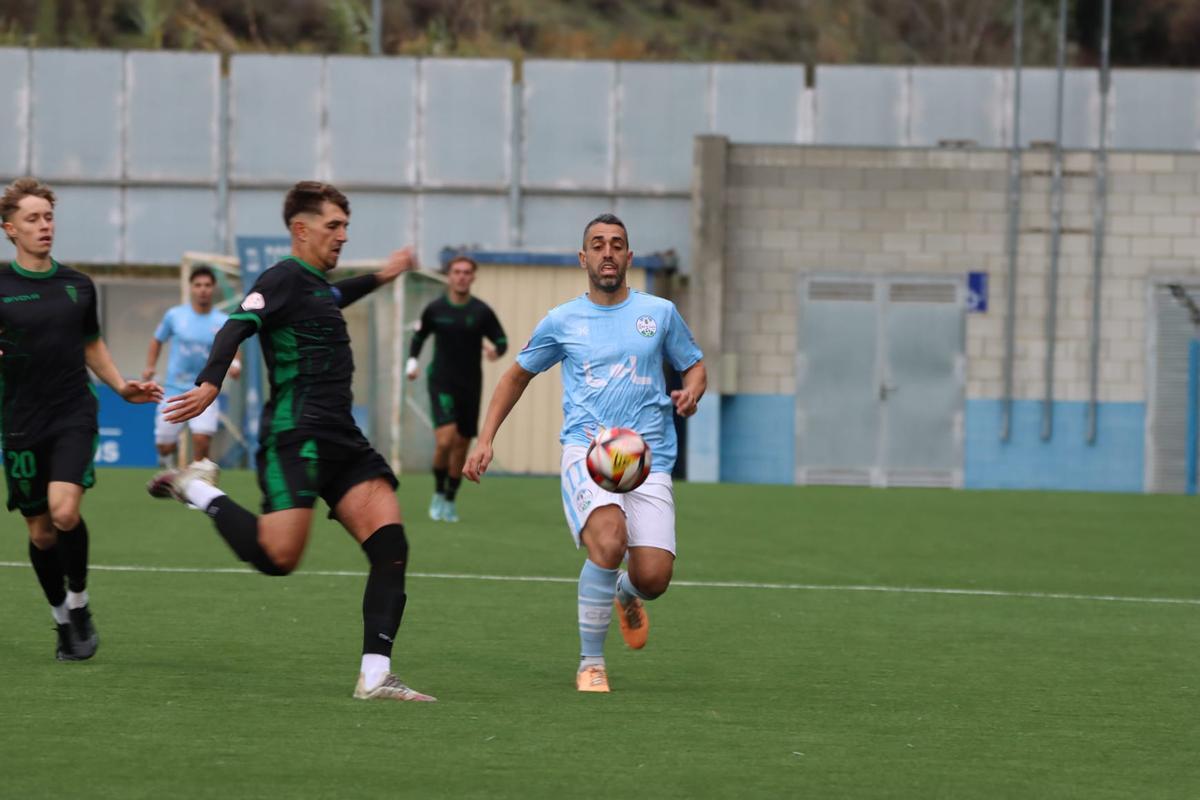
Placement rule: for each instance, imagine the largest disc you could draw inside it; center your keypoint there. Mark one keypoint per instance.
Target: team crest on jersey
(71, 293)
(583, 500)
(254, 302)
(646, 326)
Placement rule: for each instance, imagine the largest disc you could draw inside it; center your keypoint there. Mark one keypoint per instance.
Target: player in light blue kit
(611, 342)
(191, 328)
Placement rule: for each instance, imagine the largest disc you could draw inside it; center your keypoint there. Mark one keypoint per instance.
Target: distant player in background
(191, 328)
(460, 325)
(49, 338)
(310, 445)
(612, 342)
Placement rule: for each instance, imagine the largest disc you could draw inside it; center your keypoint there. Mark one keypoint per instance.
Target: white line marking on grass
(804, 587)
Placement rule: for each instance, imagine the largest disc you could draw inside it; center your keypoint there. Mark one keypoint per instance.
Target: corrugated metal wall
(454, 152)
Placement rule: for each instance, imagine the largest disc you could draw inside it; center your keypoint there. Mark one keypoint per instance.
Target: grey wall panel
(276, 116)
(372, 119)
(556, 223)
(454, 220)
(568, 101)
(1156, 110)
(861, 105)
(661, 109)
(182, 143)
(88, 226)
(658, 224)
(467, 106)
(379, 224)
(758, 102)
(1081, 106)
(14, 107)
(957, 104)
(257, 212)
(160, 224)
(77, 125)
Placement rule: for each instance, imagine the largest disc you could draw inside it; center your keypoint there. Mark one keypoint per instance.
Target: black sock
(239, 528)
(452, 488)
(384, 597)
(48, 566)
(439, 480)
(73, 551)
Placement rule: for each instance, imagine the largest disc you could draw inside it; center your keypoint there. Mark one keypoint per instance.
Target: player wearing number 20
(49, 338)
(611, 342)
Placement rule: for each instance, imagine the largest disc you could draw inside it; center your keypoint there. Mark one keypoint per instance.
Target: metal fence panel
(14, 106)
(467, 108)
(475, 221)
(275, 110)
(556, 223)
(959, 104)
(661, 108)
(173, 116)
(379, 223)
(566, 101)
(161, 224)
(657, 224)
(1156, 110)
(1081, 107)
(861, 105)
(88, 229)
(758, 102)
(372, 119)
(76, 114)
(257, 212)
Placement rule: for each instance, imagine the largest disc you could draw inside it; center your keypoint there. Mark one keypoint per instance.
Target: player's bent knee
(43, 536)
(65, 519)
(654, 586)
(387, 547)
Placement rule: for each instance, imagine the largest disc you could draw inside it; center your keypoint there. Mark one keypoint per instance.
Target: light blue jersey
(191, 336)
(612, 374)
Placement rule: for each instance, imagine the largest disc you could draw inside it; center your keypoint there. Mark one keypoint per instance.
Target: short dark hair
(203, 271)
(465, 258)
(605, 219)
(307, 197)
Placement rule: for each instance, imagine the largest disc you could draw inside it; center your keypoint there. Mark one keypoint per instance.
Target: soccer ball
(618, 460)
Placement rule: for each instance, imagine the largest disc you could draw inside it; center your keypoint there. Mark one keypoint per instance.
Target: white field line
(804, 587)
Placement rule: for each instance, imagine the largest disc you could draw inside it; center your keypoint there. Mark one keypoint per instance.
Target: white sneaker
(436, 504)
(173, 482)
(390, 688)
(449, 511)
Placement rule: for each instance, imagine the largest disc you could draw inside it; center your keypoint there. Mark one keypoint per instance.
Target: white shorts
(649, 509)
(167, 432)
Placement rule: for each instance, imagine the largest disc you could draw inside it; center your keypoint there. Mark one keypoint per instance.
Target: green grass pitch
(805, 680)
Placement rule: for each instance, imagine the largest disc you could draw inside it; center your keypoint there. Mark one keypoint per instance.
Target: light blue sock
(596, 589)
(626, 591)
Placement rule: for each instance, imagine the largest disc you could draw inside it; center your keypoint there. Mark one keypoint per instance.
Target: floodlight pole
(1014, 220)
(376, 27)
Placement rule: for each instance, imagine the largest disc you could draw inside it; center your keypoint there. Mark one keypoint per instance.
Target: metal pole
(1056, 206)
(1099, 222)
(376, 27)
(1014, 221)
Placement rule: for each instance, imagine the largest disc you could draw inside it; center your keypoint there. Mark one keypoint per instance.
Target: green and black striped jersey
(297, 313)
(46, 321)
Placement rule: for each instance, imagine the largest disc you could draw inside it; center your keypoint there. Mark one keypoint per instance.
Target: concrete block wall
(795, 209)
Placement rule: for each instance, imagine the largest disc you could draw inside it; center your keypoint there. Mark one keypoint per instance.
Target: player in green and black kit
(49, 337)
(459, 323)
(310, 444)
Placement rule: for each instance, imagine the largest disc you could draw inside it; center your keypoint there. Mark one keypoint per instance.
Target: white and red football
(618, 460)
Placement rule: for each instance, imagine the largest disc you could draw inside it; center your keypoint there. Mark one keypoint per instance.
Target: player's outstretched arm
(695, 382)
(99, 361)
(152, 359)
(352, 289)
(191, 403)
(508, 391)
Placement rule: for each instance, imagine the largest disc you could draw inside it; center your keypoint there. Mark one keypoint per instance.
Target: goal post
(411, 425)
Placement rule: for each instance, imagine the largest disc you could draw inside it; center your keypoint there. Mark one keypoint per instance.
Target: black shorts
(66, 457)
(294, 472)
(453, 404)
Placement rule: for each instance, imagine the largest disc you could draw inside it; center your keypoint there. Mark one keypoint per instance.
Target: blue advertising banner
(126, 432)
(977, 292)
(256, 254)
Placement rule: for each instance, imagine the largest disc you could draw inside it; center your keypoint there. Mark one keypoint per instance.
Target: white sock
(200, 494)
(77, 599)
(374, 669)
(61, 616)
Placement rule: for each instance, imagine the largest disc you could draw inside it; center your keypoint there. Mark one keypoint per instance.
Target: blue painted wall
(758, 445)
(758, 438)
(1113, 464)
